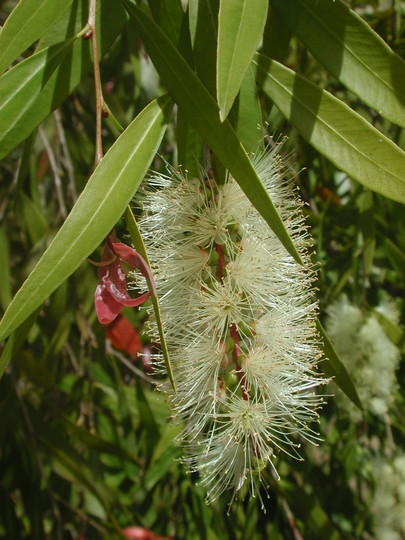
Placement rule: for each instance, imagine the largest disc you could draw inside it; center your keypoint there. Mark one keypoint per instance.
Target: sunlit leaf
(335, 130)
(76, 64)
(20, 88)
(351, 51)
(28, 21)
(99, 207)
(240, 29)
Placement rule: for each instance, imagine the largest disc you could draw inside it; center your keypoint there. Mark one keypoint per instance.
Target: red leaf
(111, 293)
(123, 336)
(134, 259)
(139, 533)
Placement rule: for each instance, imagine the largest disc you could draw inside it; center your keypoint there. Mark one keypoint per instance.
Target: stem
(67, 160)
(97, 80)
(233, 330)
(236, 355)
(221, 261)
(55, 171)
(291, 521)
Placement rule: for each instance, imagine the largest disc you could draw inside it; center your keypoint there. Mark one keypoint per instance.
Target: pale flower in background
(389, 498)
(370, 357)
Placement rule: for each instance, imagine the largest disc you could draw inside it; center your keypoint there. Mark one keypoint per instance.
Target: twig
(55, 171)
(97, 80)
(138, 372)
(67, 160)
(80, 514)
(291, 521)
(72, 357)
(31, 433)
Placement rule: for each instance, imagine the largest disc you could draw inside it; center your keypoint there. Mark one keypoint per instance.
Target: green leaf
(97, 210)
(202, 112)
(78, 62)
(140, 248)
(5, 285)
(189, 146)
(21, 86)
(33, 219)
(240, 28)
(16, 340)
(170, 16)
(394, 332)
(70, 465)
(351, 51)
(307, 508)
(334, 367)
(203, 21)
(28, 21)
(332, 128)
(396, 256)
(276, 36)
(246, 114)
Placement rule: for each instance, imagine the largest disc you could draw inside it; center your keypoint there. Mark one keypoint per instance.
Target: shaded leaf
(140, 247)
(276, 36)
(394, 332)
(332, 128)
(17, 338)
(97, 210)
(203, 21)
(351, 51)
(21, 86)
(240, 28)
(78, 62)
(246, 114)
(5, 285)
(28, 21)
(334, 367)
(32, 217)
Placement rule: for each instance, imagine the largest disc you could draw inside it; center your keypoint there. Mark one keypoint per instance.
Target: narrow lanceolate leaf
(97, 210)
(140, 248)
(246, 114)
(351, 51)
(335, 130)
(21, 86)
(28, 21)
(334, 367)
(240, 28)
(202, 113)
(111, 18)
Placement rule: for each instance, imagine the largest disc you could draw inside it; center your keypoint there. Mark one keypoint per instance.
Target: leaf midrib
(62, 259)
(349, 50)
(319, 119)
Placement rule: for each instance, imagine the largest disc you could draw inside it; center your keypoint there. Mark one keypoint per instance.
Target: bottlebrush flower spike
(239, 320)
(111, 293)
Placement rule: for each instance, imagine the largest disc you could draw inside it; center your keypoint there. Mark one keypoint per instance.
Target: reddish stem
(236, 354)
(221, 261)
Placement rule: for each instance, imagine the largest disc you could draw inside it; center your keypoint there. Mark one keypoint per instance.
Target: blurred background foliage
(86, 445)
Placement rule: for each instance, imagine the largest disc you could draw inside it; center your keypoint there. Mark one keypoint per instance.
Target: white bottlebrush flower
(370, 357)
(389, 498)
(238, 315)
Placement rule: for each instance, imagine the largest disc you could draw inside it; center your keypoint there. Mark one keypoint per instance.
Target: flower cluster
(238, 315)
(367, 352)
(389, 498)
